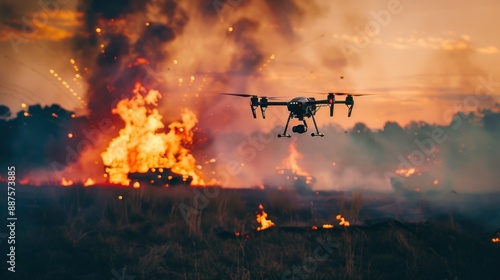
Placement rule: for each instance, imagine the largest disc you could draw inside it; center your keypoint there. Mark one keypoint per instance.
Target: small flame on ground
(327, 226)
(65, 182)
(495, 240)
(89, 182)
(342, 221)
(262, 219)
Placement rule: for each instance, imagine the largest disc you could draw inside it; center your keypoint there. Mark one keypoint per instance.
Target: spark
(66, 85)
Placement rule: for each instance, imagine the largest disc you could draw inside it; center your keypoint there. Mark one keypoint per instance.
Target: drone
(300, 108)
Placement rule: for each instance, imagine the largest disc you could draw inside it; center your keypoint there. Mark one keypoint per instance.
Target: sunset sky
(419, 57)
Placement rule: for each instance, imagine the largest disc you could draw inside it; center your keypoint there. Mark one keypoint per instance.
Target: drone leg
(286, 127)
(316, 126)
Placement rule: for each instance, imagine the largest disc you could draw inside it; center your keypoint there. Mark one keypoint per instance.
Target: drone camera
(299, 129)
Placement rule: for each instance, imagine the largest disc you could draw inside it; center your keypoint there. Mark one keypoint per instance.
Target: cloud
(41, 25)
(488, 50)
(438, 43)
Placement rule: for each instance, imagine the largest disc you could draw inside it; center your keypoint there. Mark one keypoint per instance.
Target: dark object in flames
(160, 177)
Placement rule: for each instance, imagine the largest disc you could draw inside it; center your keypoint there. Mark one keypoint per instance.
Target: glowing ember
(65, 182)
(342, 221)
(89, 182)
(327, 226)
(436, 182)
(120, 197)
(495, 240)
(405, 172)
(140, 146)
(314, 227)
(136, 185)
(262, 219)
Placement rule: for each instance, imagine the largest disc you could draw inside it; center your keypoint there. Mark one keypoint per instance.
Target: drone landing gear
(286, 127)
(316, 127)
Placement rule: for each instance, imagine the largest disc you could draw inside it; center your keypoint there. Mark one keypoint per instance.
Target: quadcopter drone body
(300, 108)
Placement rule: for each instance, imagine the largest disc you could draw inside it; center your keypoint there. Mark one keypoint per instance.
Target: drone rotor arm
(276, 103)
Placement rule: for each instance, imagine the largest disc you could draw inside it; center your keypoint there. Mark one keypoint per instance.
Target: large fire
(262, 219)
(141, 145)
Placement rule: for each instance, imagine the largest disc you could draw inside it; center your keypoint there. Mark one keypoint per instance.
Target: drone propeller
(352, 94)
(337, 93)
(252, 95)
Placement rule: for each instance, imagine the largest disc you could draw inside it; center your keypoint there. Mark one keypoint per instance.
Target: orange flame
(405, 172)
(327, 226)
(140, 146)
(495, 240)
(89, 182)
(343, 221)
(291, 162)
(262, 219)
(65, 182)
